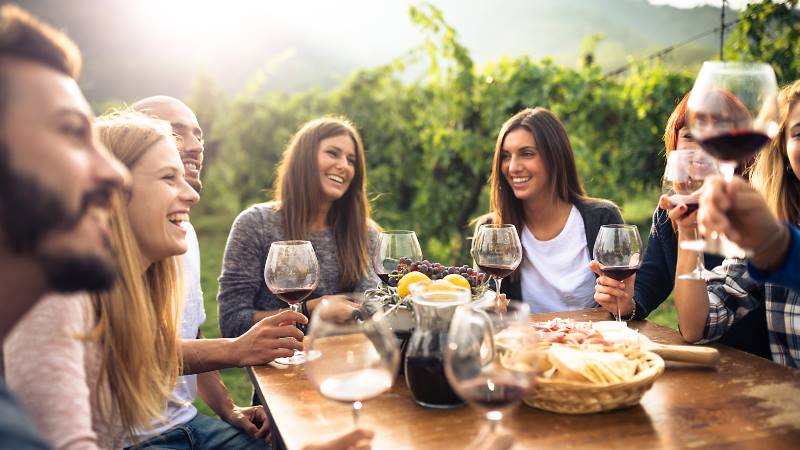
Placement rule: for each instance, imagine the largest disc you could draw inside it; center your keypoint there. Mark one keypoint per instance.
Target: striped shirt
(738, 294)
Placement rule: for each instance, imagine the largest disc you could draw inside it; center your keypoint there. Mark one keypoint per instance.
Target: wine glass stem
(296, 308)
(497, 282)
(727, 169)
(356, 413)
(494, 418)
(619, 313)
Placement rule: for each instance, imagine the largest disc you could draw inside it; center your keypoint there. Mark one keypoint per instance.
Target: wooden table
(746, 402)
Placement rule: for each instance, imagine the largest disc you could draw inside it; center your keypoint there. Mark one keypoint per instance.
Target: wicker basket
(572, 397)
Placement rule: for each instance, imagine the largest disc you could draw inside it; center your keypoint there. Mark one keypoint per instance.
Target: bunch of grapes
(435, 271)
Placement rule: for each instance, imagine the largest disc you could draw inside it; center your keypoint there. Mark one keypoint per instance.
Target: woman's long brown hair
(555, 149)
(298, 192)
(559, 161)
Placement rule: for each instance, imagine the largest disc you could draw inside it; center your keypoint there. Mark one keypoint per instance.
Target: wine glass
(684, 175)
(352, 357)
(491, 358)
(618, 249)
(497, 251)
(732, 112)
(392, 246)
(291, 273)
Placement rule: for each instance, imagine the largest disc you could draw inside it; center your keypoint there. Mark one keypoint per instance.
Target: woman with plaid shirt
(705, 312)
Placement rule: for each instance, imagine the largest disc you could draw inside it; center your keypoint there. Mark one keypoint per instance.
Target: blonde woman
(93, 368)
(707, 312)
(320, 196)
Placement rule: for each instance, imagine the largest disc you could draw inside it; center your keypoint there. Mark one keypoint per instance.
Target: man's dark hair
(25, 37)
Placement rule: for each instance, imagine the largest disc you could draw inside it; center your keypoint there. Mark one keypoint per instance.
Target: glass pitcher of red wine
(434, 305)
(732, 113)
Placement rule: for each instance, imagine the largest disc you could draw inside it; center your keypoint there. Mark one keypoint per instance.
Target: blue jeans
(203, 433)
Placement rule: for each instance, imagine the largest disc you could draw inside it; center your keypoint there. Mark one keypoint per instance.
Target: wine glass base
(294, 360)
(721, 246)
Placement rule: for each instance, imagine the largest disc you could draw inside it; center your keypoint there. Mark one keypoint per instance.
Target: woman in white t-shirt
(535, 186)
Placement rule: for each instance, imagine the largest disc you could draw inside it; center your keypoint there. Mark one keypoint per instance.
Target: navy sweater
(655, 280)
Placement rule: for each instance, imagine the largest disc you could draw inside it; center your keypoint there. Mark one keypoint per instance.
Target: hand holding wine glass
(684, 175)
(350, 359)
(392, 246)
(732, 112)
(497, 251)
(618, 250)
(291, 273)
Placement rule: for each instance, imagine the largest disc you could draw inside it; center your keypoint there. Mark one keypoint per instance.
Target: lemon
(407, 280)
(458, 280)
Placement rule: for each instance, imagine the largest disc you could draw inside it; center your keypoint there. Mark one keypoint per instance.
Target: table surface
(745, 402)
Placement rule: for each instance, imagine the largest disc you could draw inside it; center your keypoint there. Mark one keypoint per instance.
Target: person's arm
(44, 363)
(242, 274)
(784, 269)
(252, 419)
(655, 278)
(742, 214)
(273, 337)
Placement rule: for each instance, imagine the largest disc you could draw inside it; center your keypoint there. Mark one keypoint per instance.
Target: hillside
(132, 49)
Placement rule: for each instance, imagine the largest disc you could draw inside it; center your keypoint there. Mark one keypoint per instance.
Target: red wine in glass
(734, 145)
(292, 296)
(496, 271)
(428, 384)
(619, 273)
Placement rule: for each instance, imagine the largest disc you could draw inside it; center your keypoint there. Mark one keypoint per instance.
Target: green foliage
(769, 31)
(429, 120)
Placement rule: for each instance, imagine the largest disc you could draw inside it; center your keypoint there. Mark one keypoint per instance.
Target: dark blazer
(656, 278)
(595, 213)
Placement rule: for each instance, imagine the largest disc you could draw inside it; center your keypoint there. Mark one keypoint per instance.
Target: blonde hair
(137, 320)
(770, 174)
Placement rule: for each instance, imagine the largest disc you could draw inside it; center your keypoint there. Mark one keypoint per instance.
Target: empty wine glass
(392, 246)
(352, 357)
(732, 112)
(684, 175)
(291, 273)
(497, 251)
(618, 249)
(491, 358)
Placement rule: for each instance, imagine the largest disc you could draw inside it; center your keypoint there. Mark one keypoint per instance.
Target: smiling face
(56, 178)
(160, 201)
(185, 126)
(523, 166)
(336, 160)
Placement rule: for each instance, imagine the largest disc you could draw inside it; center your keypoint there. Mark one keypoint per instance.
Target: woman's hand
(676, 210)
(609, 292)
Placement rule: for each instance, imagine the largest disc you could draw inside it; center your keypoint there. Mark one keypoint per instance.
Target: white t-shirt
(180, 408)
(555, 273)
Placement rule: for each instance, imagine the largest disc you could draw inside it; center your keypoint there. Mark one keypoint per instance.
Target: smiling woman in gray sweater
(320, 196)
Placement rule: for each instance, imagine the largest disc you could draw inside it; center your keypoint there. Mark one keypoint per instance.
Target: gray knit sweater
(242, 289)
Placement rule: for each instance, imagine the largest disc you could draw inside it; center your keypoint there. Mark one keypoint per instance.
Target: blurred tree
(769, 31)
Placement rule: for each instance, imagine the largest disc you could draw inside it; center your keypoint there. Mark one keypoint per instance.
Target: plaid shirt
(737, 294)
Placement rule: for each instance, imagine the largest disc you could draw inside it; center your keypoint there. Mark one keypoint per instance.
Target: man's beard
(29, 212)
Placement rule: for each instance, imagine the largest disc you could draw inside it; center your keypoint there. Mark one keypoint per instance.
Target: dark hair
(298, 191)
(25, 37)
(556, 151)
